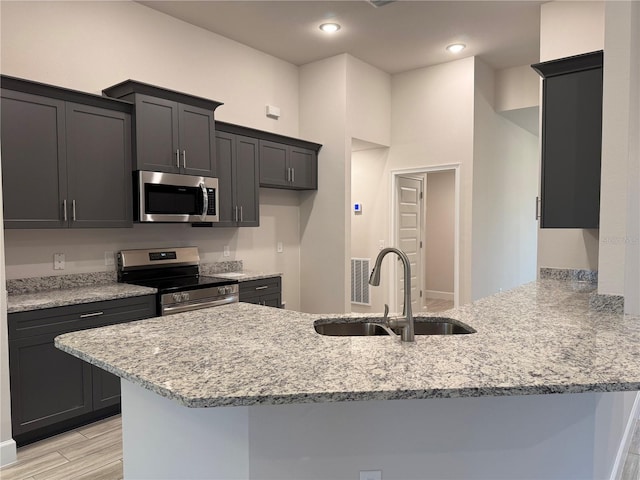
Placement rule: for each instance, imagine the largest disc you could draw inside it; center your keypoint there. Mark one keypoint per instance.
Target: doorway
(424, 222)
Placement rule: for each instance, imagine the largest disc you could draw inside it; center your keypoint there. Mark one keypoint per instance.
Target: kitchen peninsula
(295, 404)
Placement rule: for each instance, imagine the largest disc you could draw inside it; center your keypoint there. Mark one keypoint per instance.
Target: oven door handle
(185, 307)
(205, 201)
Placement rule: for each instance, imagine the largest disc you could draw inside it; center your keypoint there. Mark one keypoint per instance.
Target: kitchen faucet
(405, 324)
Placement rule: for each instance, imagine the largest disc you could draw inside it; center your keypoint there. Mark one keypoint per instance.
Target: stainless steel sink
(366, 327)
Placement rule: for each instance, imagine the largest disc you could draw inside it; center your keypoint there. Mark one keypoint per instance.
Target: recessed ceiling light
(329, 27)
(456, 47)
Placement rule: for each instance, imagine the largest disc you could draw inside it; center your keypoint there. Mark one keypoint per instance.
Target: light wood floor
(437, 305)
(92, 452)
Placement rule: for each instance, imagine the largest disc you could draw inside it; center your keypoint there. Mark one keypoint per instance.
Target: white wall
(632, 266)
(569, 28)
(505, 161)
(324, 222)
(368, 102)
(371, 226)
(88, 46)
(616, 144)
(516, 88)
(439, 239)
(7, 445)
(432, 124)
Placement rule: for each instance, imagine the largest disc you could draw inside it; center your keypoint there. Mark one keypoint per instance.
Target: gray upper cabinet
(571, 141)
(66, 158)
(237, 159)
(99, 167)
(288, 166)
(34, 179)
(174, 131)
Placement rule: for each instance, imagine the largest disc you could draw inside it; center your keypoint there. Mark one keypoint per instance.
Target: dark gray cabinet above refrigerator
(571, 141)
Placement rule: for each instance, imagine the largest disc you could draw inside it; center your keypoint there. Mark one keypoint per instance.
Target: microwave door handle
(205, 201)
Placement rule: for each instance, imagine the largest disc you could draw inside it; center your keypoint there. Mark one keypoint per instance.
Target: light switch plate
(279, 247)
(225, 251)
(109, 259)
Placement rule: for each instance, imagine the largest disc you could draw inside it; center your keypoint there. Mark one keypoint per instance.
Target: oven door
(167, 197)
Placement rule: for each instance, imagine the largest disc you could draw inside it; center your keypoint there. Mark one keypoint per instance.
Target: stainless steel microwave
(168, 197)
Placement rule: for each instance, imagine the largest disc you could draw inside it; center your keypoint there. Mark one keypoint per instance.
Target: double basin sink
(368, 327)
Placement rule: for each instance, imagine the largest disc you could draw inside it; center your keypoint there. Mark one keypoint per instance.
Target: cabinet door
(157, 134)
(34, 176)
(225, 151)
(99, 167)
(106, 388)
(304, 169)
(273, 164)
(47, 384)
(572, 140)
(197, 141)
(246, 174)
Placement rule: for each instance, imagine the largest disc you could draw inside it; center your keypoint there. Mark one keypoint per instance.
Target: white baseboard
(8, 452)
(438, 295)
(618, 465)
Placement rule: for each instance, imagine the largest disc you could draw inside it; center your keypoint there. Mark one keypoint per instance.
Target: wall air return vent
(360, 281)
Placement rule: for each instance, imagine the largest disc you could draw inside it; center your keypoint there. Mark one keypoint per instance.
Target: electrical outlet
(225, 251)
(109, 259)
(370, 474)
(279, 247)
(381, 244)
(58, 261)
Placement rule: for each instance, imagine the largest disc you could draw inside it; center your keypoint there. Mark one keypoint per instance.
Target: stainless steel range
(175, 273)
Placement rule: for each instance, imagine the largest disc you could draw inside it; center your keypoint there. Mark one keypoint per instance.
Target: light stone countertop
(246, 275)
(74, 295)
(540, 338)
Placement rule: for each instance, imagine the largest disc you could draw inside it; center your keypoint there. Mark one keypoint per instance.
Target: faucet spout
(406, 323)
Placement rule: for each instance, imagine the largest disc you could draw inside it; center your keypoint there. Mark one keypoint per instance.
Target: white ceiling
(397, 37)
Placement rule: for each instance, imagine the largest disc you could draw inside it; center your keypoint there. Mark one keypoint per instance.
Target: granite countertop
(74, 295)
(246, 275)
(540, 338)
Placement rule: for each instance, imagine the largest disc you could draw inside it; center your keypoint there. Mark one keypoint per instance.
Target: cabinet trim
(128, 87)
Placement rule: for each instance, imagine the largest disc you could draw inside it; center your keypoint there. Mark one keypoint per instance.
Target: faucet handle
(386, 311)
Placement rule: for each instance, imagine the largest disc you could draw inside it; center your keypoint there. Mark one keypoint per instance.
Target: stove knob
(185, 296)
(228, 289)
(176, 297)
(221, 290)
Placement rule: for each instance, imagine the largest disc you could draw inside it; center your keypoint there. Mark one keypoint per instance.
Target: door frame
(395, 174)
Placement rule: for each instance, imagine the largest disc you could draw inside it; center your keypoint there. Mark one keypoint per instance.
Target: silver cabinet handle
(235, 213)
(293, 175)
(94, 314)
(288, 174)
(205, 201)
(64, 209)
(184, 159)
(263, 287)
(538, 208)
(177, 158)
(73, 210)
(241, 215)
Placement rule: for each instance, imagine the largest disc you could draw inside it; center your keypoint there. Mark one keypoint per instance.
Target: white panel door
(408, 237)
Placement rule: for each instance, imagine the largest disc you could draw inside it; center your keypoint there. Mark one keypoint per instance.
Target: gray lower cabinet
(64, 163)
(238, 171)
(51, 390)
(288, 166)
(267, 291)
